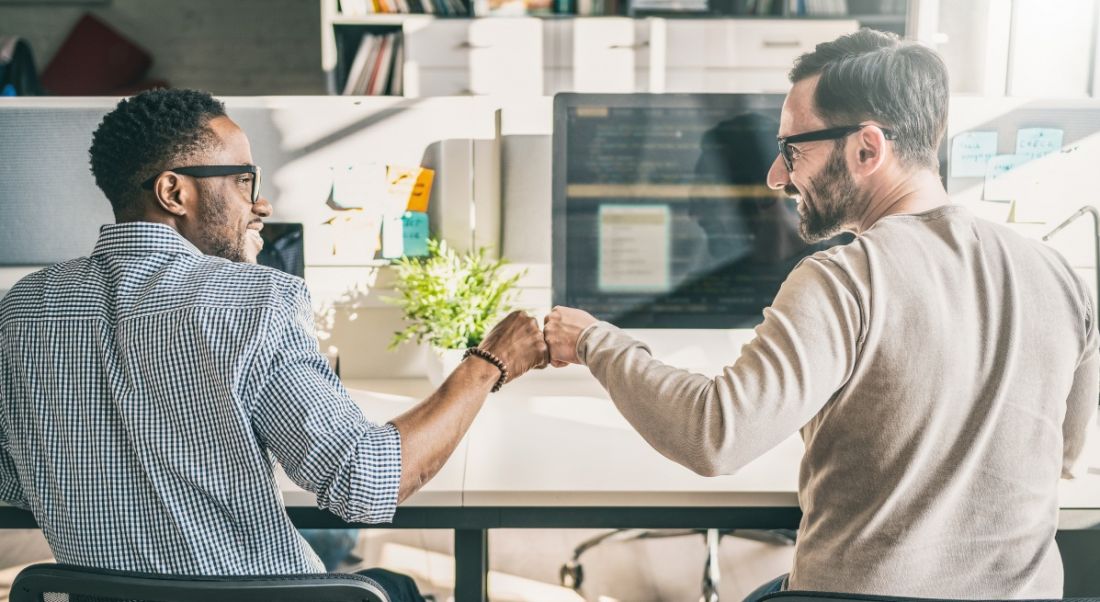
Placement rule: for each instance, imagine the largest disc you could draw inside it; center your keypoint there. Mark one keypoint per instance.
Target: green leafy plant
(450, 300)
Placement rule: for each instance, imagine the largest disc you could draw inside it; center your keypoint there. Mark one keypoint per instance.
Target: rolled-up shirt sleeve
(11, 490)
(306, 418)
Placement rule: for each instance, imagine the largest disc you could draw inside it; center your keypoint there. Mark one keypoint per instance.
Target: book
(357, 64)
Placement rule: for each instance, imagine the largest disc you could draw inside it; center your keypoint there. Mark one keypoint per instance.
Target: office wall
(298, 141)
(243, 47)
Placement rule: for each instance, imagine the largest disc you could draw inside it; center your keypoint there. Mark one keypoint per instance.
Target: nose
(262, 207)
(778, 176)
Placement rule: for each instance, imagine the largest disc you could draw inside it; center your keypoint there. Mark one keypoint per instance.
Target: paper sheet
(634, 248)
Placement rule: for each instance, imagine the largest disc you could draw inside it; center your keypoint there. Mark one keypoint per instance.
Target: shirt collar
(141, 237)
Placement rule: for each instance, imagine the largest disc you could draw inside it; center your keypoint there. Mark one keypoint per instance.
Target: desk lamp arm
(1095, 239)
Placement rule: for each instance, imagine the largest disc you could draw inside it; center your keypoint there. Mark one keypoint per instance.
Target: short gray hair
(874, 75)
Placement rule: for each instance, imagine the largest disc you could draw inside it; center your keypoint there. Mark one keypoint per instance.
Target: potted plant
(449, 301)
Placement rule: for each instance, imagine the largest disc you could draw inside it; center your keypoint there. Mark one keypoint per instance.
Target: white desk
(555, 452)
(561, 442)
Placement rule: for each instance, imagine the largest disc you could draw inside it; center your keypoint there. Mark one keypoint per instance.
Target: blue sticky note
(415, 231)
(971, 152)
(997, 187)
(1036, 142)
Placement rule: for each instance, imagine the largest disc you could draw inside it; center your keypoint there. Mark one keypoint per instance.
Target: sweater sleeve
(802, 354)
(1081, 404)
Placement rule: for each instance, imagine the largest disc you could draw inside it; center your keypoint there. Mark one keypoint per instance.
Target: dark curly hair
(145, 134)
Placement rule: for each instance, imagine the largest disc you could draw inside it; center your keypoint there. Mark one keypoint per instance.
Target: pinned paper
(998, 186)
(409, 188)
(405, 235)
(1037, 142)
(971, 152)
(351, 187)
(415, 229)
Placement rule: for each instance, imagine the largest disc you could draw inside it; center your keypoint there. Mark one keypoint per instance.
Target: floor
(525, 564)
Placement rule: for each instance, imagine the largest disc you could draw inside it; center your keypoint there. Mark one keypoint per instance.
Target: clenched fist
(563, 327)
(519, 343)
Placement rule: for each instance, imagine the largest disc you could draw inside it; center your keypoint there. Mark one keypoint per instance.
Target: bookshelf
(537, 54)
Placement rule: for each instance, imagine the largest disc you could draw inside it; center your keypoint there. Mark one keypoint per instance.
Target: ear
(173, 194)
(870, 151)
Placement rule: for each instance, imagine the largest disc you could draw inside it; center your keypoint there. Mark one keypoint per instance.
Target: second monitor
(662, 214)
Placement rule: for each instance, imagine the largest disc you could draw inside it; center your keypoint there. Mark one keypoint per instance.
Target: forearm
(675, 411)
(431, 430)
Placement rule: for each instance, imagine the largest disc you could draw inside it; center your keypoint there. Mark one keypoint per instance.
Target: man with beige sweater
(941, 369)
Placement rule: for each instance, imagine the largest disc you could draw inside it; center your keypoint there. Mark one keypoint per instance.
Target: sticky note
(350, 188)
(998, 186)
(971, 152)
(408, 188)
(405, 235)
(393, 237)
(415, 233)
(421, 192)
(1036, 142)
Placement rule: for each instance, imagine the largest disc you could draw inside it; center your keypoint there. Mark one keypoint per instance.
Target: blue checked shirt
(146, 393)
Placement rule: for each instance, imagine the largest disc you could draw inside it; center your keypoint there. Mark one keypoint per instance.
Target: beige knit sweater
(942, 370)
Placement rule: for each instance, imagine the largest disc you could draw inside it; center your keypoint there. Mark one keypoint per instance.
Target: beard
(217, 234)
(834, 194)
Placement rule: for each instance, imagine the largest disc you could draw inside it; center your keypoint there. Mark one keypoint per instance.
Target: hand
(519, 343)
(563, 327)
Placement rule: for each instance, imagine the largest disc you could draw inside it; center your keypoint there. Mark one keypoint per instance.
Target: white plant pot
(441, 362)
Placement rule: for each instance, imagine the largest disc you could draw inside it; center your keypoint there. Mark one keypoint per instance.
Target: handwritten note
(405, 235)
(1036, 142)
(998, 186)
(971, 152)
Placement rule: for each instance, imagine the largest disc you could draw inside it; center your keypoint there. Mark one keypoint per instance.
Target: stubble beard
(217, 233)
(834, 194)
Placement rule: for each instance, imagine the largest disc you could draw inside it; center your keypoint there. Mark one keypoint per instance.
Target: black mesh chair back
(803, 596)
(60, 583)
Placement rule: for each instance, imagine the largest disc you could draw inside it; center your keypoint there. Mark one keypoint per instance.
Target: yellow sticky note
(409, 187)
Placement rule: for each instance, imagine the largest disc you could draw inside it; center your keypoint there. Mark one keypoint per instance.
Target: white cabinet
(729, 55)
(531, 57)
(597, 54)
(448, 57)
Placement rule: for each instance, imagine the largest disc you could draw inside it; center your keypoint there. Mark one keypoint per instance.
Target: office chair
(47, 582)
(571, 573)
(800, 596)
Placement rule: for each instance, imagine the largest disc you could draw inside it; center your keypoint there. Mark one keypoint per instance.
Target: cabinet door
(494, 56)
(605, 54)
(601, 54)
(438, 43)
(685, 42)
(774, 43)
(506, 56)
(726, 43)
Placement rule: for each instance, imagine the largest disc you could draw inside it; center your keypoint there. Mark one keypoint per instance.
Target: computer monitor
(284, 248)
(662, 217)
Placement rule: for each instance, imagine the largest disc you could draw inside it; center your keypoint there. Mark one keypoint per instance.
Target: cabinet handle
(637, 46)
(471, 46)
(781, 44)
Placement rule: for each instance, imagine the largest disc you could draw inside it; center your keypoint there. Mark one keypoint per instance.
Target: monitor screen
(662, 214)
(284, 248)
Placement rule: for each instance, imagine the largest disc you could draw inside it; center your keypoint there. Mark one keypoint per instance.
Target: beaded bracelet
(492, 359)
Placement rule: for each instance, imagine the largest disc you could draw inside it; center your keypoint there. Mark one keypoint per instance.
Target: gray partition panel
(49, 203)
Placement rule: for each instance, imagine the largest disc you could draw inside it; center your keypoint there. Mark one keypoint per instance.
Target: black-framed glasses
(826, 134)
(213, 171)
